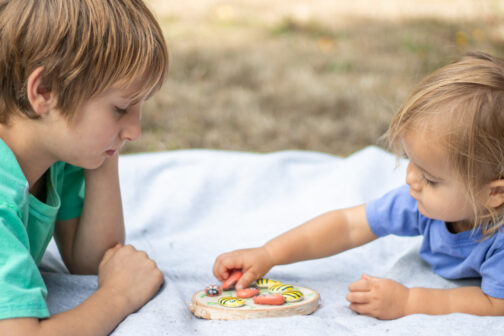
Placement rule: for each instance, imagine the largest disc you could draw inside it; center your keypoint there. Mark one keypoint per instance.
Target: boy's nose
(413, 178)
(132, 128)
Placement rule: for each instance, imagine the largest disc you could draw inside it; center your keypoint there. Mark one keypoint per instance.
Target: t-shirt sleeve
(72, 194)
(492, 280)
(22, 289)
(394, 213)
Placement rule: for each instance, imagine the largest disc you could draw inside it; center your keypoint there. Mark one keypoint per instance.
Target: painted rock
(231, 301)
(266, 283)
(293, 296)
(269, 299)
(233, 278)
(213, 290)
(247, 292)
(278, 289)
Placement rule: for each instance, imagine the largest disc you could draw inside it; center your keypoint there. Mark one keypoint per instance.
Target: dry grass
(258, 75)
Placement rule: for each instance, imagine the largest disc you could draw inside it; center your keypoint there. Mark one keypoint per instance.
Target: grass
(251, 85)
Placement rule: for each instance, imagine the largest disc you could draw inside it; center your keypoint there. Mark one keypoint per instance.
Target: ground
(323, 75)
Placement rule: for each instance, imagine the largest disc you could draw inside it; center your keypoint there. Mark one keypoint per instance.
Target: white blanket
(186, 207)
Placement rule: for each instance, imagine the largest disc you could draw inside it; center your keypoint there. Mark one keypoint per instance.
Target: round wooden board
(207, 307)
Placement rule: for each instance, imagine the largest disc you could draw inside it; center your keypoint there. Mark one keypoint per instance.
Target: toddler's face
(100, 128)
(433, 183)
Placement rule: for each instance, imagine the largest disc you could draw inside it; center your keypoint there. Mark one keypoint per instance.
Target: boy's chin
(89, 165)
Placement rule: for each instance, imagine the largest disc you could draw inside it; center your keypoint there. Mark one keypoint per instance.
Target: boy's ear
(39, 95)
(496, 194)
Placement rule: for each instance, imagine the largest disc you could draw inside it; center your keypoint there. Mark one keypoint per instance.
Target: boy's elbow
(82, 267)
(20, 327)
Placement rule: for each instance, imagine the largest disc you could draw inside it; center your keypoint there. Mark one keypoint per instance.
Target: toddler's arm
(388, 299)
(83, 241)
(127, 279)
(328, 234)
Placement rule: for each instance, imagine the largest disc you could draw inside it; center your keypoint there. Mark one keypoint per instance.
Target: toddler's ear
(496, 194)
(39, 95)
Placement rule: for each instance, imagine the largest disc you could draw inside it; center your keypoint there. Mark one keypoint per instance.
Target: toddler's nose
(413, 178)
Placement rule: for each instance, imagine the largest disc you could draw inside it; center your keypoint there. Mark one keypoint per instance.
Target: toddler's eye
(429, 182)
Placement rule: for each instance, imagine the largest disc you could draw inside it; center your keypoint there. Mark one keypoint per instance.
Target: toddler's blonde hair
(84, 47)
(463, 102)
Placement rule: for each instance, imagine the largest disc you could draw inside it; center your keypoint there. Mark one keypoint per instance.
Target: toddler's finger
(357, 297)
(246, 279)
(224, 267)
(361, 308)
(361, 285)
(220, 271)
(369, 277)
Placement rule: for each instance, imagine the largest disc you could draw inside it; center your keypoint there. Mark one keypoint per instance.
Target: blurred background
(321, 75)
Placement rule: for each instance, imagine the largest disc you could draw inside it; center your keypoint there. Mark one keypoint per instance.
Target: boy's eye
(120, 110)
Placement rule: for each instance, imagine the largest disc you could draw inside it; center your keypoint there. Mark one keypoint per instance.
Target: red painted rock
(269, 299)
(233, 278)
(247, 292)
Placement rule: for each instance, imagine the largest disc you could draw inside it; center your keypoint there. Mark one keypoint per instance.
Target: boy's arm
(98, 315)
(127, 279)
(325, 235)
(388, 299)
(83, 241)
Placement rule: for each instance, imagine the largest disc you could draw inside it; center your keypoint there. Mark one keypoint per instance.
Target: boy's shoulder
(14, 188)
(13, 184)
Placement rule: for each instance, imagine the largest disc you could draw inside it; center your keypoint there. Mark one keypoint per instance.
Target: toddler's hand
(254, 263)
(130, 274)
(381, 298)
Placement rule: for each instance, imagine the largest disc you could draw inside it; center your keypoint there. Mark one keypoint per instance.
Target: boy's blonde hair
(464, 103)
(84, 47)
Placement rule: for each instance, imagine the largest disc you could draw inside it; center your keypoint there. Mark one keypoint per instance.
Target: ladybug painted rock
(213, 290)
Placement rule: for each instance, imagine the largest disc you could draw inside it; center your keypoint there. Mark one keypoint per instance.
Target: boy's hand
(130, 274)
(381, 298)
(254, 263)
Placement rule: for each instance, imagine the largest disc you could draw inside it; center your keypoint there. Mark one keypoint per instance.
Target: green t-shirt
(26, 227)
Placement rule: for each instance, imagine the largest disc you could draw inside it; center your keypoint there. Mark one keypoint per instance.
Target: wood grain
(207, 307)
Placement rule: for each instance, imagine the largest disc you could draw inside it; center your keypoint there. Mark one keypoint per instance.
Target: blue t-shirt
(26, 227)
(451, 255)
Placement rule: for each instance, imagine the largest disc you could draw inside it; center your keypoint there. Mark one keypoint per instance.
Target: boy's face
(99, 129)
(433, 183)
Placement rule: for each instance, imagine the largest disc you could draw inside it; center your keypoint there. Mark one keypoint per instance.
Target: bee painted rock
(279, 289)
(293, 296)
(266, 283)
(231, 302)
(213, 290)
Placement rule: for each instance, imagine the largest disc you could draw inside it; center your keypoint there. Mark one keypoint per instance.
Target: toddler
(452, 130)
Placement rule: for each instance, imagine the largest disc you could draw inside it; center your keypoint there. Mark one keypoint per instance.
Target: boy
(74, 75)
